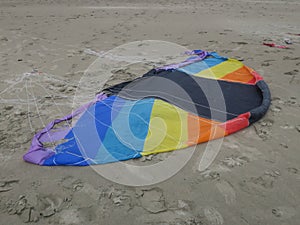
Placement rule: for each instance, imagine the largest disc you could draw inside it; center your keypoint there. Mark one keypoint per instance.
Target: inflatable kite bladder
(172, 107)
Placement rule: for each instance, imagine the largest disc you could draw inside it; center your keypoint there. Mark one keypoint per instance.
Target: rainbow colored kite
(203, 98)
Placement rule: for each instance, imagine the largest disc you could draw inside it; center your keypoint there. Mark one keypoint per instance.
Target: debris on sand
(273, 45)
(288, 41)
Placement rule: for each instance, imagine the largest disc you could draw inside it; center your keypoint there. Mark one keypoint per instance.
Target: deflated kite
(172, 107)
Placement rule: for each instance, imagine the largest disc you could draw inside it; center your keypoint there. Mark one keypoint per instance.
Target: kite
(205, 97)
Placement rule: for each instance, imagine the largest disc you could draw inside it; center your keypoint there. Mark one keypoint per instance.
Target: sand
(47, 45)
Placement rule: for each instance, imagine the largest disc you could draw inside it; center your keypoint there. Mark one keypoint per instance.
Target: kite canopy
(172, 107)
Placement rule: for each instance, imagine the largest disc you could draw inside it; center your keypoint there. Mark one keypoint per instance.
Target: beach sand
(46, 47)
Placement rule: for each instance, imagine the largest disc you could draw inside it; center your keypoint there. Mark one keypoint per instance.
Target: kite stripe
(167, 128)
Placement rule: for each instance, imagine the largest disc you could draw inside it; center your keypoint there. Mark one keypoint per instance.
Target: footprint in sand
(7, 185)
(209, 175)
(116, 198)
(284, 212)
(263, 181)
(257, 185)
(239, 42)
(48, 205)
(24, 208)
(292, 101)
(235, 161)
(71, 183)
(213, 216)
(153, 200)
(275, 109)
(292, 73)
(226, 189)
(291, 58)
(292, 170)
(263, 128)
(265, 64)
